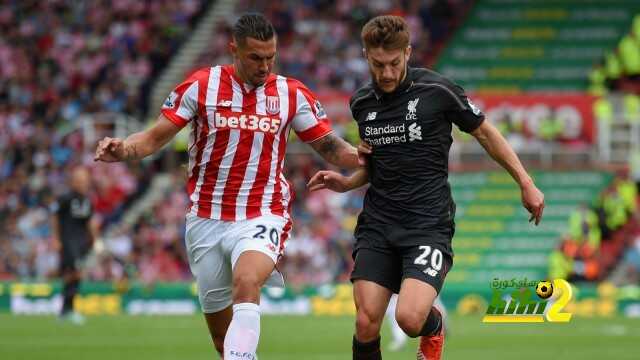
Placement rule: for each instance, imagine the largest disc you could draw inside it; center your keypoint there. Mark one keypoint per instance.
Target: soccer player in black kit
(403, 235)
(73, 231)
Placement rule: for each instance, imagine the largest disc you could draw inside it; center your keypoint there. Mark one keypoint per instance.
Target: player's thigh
(375, 259)
(371, 299)
(209, 263)
(255, 246)
(414, 303)
(426, 260)
(376, 275)
(426, 255)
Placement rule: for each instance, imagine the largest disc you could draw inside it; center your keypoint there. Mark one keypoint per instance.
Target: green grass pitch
(308, 338)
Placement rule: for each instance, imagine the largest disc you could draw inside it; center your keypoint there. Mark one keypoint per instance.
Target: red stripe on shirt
(225, 92)
(240, 161)
(285, 234)
(276, 202)
(201, 137)
(254, 202)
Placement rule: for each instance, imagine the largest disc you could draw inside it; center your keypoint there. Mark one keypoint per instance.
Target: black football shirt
(410, 132)
(74, 213)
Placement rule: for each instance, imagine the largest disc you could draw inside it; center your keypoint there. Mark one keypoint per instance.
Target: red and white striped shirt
(238, 140)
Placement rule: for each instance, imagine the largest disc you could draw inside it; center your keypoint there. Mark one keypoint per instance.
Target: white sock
(396, 331)
(241, 341)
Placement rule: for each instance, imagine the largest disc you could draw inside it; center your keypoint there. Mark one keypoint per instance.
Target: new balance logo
(412, 108)
(225, 103)
(431, 272)
(372, 116)
(415, 132)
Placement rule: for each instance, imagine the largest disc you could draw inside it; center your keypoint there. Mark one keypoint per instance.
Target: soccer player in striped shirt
(239, 221)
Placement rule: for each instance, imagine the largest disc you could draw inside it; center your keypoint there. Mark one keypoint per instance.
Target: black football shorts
(387, 254)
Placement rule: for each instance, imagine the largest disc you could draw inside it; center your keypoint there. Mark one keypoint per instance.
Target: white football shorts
(214, 246)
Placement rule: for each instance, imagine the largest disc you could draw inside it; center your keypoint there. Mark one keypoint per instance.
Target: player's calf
(218, 323)
(366, 342)
(432, 337)
(249, 274)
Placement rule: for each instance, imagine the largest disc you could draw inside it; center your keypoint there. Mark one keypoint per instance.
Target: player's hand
(110, 150)
(364, 150)
(533, 201)
(331, 180)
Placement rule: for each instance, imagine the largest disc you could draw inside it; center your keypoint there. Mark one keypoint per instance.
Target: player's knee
(367, 325)
(410, 321)
(246, 287)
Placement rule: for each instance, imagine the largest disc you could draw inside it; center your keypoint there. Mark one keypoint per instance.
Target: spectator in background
(319, 40)
(583, 253)
(74, 232)
(61, 59)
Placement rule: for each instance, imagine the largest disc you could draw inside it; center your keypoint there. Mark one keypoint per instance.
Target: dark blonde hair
(387, 31)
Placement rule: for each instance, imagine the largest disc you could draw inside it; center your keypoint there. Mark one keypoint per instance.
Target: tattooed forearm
(131, 152)
(336, 151)
(328, 147)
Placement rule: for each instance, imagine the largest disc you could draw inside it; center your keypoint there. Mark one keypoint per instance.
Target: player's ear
(233, 47)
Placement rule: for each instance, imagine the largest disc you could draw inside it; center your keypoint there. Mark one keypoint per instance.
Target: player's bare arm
(326, 179)
(334, 181)
(138, 145)
(336, 151)
(500, 150)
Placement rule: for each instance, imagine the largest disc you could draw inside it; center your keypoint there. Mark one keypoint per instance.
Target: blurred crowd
(620, 67)
(598, 234)
(64, 58)
(319, 40)
(59, 59)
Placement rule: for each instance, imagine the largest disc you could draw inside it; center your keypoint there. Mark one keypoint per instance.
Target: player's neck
(240, 76)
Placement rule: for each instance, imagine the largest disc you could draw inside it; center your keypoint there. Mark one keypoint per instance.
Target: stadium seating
(534, 44)
(620, 68)
(61, 59)
(493, 238)
(319, 41)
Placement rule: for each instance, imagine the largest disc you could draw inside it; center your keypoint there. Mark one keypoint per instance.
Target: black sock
(366, 351)
(69, 292)
(433, 324)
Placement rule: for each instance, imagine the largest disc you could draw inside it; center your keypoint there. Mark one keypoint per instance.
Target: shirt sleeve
(310, 121)
(181, 105)
(462, 111)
